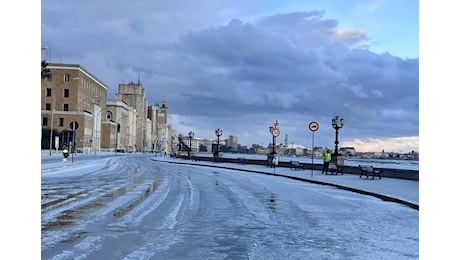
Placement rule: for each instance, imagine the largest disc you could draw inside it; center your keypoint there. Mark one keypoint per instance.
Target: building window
(66, 107)
(108, 115)
(48, 92)
(50, 77)
(47, 106)
(66, 92)
(45, 121)
(66, 77)
(61, 121)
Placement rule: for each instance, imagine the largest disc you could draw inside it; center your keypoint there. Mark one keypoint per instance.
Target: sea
(377, 163)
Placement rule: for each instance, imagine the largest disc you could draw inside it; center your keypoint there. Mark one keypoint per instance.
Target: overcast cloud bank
(240, 69)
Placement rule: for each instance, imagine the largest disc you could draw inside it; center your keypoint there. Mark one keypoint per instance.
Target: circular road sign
(275, 132)
(74, 124)
(313, 126)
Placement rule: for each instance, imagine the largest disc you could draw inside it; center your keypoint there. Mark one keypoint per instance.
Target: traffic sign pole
(313, 126)
(74, 126)
(312, 145)
(72, 149)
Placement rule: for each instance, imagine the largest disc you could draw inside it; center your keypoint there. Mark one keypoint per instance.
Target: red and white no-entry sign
(313, 126)
(275, 132)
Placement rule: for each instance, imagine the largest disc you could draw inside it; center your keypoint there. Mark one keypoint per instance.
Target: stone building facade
(75, 112)
(70, 98)
(133, 94)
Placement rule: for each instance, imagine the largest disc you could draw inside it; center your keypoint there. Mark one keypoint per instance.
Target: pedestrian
(326, 159)
(65, 154)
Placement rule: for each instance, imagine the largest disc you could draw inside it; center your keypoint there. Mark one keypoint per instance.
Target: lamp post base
(338, 159)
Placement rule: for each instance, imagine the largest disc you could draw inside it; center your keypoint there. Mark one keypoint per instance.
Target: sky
(167, 222)
(241, 65)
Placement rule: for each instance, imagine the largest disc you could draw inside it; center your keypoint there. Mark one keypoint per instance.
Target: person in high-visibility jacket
(326, 159)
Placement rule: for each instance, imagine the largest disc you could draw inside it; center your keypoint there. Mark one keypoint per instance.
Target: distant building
(233, 142)
(122, 118)
(294, 149)
(133, 94)
(350, 151)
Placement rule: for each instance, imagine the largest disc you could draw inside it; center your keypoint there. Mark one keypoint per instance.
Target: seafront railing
(399, 173)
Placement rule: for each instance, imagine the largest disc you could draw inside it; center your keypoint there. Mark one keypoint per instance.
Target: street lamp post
(273, 139)
(181, 140)
(158, 144)
(161, 145)
(272, 158)
(75, 124)
(131, 135)
(218, 134)
(190, 136)
(52, 125)
(172, 144)
(274, 130)
(337, 123)
(96, 142)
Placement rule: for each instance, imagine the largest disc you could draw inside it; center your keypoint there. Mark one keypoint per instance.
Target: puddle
(152, 187)
(272, 203)
(102, 196)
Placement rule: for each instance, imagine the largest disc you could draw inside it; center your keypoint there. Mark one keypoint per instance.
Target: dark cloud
(242, 75)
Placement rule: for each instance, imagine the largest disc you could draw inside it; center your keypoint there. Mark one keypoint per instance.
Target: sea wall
(385, 172)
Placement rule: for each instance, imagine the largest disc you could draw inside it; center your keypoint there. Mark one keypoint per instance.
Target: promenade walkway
(401, 191)
(390, 189)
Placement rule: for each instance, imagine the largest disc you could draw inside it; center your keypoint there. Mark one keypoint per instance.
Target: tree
(45, 70)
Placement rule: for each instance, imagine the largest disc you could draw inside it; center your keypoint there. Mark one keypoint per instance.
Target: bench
(295, 165)
(270, 162)
(334, 169)
(367, 170)
(242, 160)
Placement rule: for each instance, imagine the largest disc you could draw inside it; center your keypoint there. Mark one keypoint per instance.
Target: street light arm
(78, 107)
(121, 118)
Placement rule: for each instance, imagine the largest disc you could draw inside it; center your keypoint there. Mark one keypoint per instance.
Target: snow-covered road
(132, 207)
